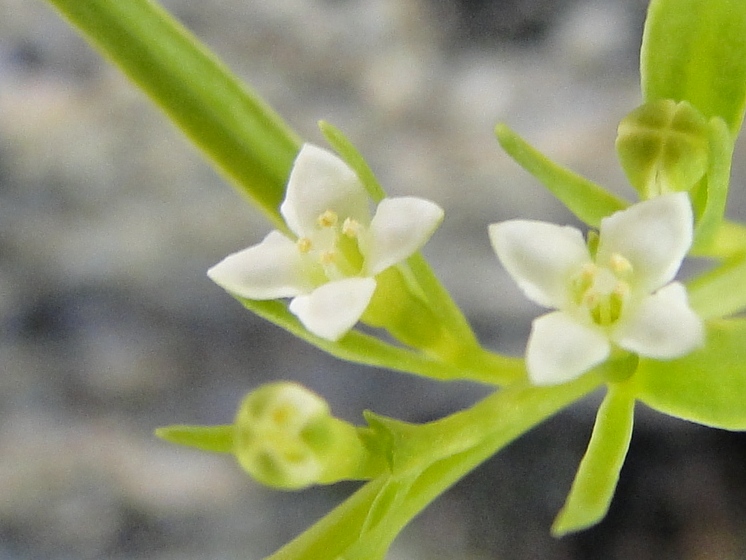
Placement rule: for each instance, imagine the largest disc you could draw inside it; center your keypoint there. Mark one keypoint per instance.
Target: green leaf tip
(215, 439)
(598, 474)
(352, 157)
(584, 198)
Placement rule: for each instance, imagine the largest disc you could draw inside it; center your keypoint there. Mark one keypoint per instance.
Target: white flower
(329, 268)
(621, 295)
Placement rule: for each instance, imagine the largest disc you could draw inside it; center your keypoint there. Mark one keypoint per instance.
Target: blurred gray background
(110, 328)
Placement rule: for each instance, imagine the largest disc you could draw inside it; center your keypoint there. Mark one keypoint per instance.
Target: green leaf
(695, 50)
(584, 198)
(707, 386)
(234, 128)
(215, 439)
(729, 242)
(716, 181)
(598, 474)
(361, 348)
(720, 292)
(354, 159)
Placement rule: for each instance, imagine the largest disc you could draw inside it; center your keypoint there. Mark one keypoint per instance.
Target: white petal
(560, 349)
(400, 227)
(654, 236)
(541, 257)
(271, 269)
(333, 309)
(663, 327)
(320, 181)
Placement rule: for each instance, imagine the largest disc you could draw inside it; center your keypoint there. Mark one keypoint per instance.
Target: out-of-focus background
(110, 328)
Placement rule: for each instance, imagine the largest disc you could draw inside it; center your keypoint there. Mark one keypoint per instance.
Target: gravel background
(110, 328)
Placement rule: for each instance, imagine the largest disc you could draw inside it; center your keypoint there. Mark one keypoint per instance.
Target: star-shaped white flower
(621, 295)
(329, 268)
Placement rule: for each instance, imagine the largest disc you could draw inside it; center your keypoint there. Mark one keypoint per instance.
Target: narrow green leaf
(598, 474)
(361, 348)
(729, 242)
(717, 181)
(216, 439)
(584, 198)
(695, 50)
(720, 292)
(234, 128)
(707, 386)
(354, 159)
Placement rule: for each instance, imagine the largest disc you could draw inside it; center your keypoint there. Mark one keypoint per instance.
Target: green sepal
(215, 439)
(584, 198)
(707, 386)
(695, 50)
(716, 184)
(663, 146)
(352, 157)
(598, 474)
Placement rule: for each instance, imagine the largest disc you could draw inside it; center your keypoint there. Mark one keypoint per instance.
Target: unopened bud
(663, 147)
(286, 437)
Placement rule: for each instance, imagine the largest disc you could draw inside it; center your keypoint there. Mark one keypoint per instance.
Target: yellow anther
(351, 228)
(328, 219)
(591, 298)
(588, 271)
(328, 257)
(619, 264)
(621, 289)
(304, 244)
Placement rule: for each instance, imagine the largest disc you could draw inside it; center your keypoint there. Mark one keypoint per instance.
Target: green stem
(480, 431)
(435, 455)
(248, 142)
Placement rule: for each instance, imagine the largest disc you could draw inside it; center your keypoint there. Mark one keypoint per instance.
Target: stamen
(583, 281)
(619, 264)
(304, 244)
(327, 219)
(328, 257)
(621, 289)
(351, 228)
(592, 242)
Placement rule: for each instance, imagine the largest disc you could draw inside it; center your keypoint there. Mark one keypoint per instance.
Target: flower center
(333, 248)
(601, 290)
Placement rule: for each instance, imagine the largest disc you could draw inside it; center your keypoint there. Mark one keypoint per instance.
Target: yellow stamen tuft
(304, 244)
(328, 219)
(619, 264)
(328, 257)
(351, 228)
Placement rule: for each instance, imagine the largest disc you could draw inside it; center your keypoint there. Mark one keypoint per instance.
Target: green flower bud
(663, 147)
(286, 437)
